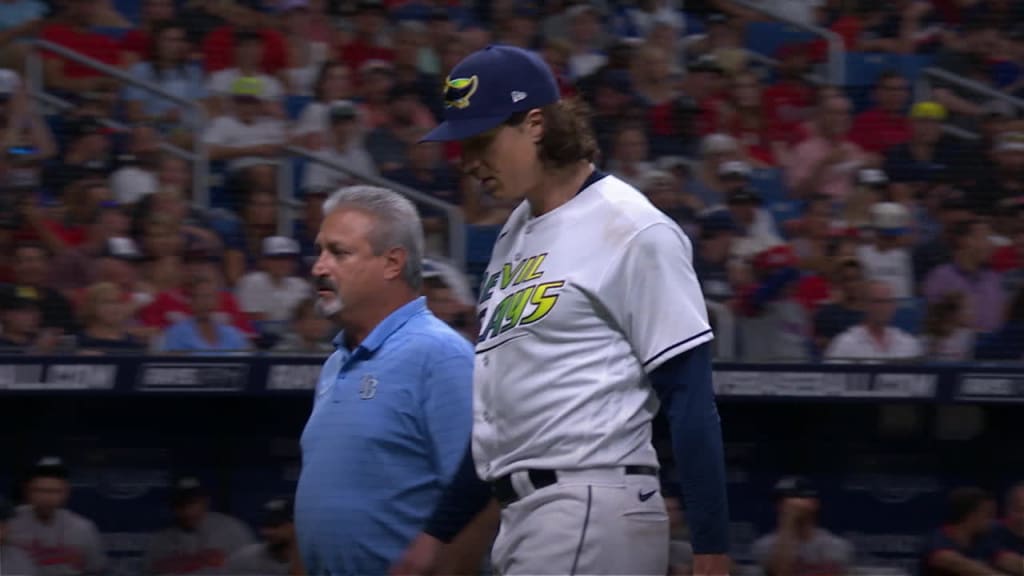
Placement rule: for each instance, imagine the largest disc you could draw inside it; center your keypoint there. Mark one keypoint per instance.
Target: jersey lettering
(525, 305)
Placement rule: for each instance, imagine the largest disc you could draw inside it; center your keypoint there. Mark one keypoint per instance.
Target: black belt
(506, 493)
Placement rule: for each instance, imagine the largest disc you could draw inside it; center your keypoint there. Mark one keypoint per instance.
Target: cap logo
(458, 91)
(518, 96)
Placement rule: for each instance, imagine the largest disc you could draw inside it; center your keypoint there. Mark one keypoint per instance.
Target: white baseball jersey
(576, 307)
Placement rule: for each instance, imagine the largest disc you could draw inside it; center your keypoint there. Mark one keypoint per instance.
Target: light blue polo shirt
(390, 423)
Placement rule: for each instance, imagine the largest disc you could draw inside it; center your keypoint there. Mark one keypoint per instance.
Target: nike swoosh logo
(645, 496)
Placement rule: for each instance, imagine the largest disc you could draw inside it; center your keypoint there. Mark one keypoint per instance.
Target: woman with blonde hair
(105, 314)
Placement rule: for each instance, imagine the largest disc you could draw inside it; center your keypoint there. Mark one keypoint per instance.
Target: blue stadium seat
(479, 244)
(293, 105)
(784, 211)
(767, 37)
(110, 31)
(909, 315)
(769, 184)
(130, 9)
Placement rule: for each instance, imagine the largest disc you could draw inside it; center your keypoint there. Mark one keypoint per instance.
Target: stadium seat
(479, 244)
(767, 37)
(769, 184)
(293, 105)
(909, 315)
(784, 211)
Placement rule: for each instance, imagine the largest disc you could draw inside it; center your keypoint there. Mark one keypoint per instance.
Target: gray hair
(397, 224)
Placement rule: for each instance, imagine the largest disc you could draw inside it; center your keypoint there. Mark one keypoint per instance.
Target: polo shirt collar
(387, 327)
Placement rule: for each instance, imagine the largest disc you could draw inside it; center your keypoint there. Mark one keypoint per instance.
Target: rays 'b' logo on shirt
(368, 387)
(458, 91)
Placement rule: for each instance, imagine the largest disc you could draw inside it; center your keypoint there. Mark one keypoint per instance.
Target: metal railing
(453, 214)
(61, 105)
(200, 163)
(969, 85)
(836, 49)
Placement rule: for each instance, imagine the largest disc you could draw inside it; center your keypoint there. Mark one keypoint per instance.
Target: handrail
(62, 104)
(972, 85)
(200, 164)
(836, 49)
(456, 221)
(769, 61)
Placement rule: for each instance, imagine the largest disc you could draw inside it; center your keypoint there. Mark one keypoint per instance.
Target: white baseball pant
(590, 522)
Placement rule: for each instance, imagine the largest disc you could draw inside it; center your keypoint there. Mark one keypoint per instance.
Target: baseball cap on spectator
(705, 63)
(581, 8)
(430, 269)
(872, 177)
(85, 126)
(247, 88)
(524, 9)
(890, 218)
(617, 80)
(280, 247)
(371, 5)
(247, 35)
(1000, 109)
(186, 489)
(340, 110)
(50, 467)
(489, 86)
(654, 178)
(19, 297)
(376, 65)
(1011, 142)
(277, 512)
(734, 169)
(718, 144)
(795, 487)
(403, 89)
(717, 18)
(9, 82)
(289, 5)
(745, 195)
(121, 248)
(716, 221)
(953, 199)
(928, 111)
(774, 259)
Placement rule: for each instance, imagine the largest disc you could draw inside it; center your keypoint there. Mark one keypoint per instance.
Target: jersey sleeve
(651, 291)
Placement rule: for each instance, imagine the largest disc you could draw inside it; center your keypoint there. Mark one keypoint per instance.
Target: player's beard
(328, 306)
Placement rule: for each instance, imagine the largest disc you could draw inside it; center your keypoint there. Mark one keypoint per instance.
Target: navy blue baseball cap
(488, 87)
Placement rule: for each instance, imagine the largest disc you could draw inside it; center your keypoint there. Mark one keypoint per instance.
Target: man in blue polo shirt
(392, 415)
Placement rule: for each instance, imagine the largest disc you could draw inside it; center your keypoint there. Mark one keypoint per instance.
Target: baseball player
(59, 541)
(590, 312)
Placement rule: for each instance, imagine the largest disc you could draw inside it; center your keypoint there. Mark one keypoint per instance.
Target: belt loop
(521, 483)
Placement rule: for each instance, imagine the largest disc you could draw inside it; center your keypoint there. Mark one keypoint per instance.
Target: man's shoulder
(217, 521)
(433, 336)
(627, 206)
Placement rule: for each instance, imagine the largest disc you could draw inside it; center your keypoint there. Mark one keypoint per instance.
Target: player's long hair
(568, 136)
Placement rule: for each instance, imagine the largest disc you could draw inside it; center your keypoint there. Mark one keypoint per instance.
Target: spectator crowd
(828, 222)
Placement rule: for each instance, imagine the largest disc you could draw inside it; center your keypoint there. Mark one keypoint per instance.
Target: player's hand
(711, 565)
(420, 559)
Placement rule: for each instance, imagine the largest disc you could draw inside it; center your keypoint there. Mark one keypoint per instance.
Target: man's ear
(534, 124)
(395, 260)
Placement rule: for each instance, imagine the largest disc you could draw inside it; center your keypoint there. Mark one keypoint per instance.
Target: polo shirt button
(487, 361)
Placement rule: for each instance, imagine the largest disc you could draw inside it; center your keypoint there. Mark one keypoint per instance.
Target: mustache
(325, 283)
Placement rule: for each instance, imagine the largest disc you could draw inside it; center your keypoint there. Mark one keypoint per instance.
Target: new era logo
(517, 95)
